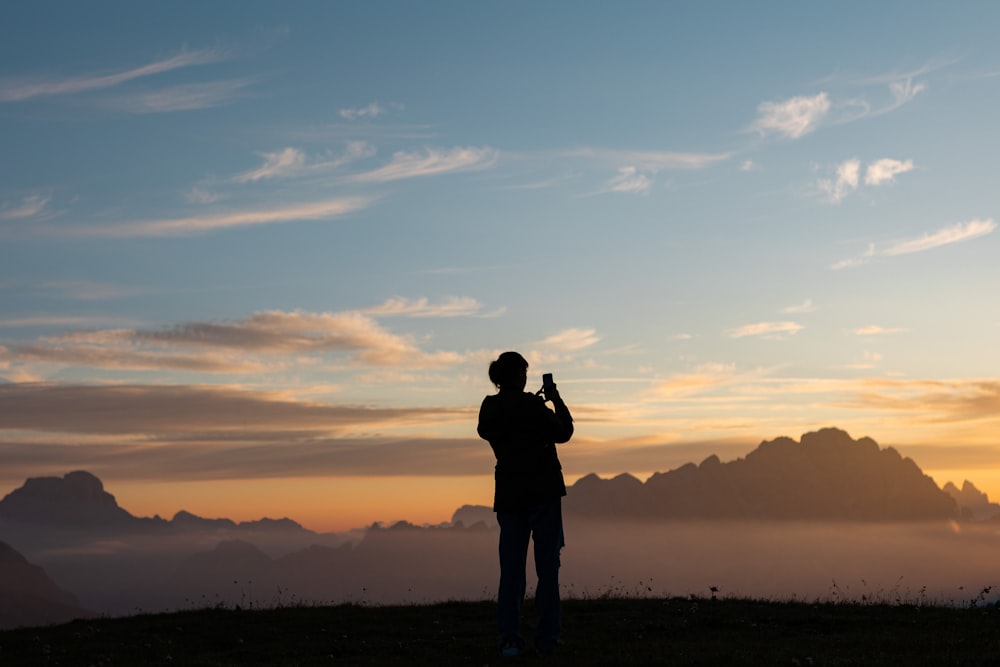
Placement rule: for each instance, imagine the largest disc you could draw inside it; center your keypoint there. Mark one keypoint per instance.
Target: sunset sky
(255, 257)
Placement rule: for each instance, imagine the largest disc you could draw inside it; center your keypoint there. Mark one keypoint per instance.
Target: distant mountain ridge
(78, 500)
(973, 503)
(826, 476)
(29, 597)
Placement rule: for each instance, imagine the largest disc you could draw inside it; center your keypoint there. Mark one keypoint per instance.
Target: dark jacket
(523, 433)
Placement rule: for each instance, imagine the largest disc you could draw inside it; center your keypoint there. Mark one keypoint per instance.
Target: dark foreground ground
(597, 632)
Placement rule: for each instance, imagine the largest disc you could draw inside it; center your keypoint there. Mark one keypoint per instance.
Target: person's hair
(508, 369)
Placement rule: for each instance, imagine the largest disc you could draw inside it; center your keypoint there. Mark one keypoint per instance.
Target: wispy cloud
(630, 180)
(846, 181)
(766, 329)
(635, 171)
(31, 206)
(650, 161)
(455, 306)
(806, 306)
(702, 379)
(203, 224)
(864, 258)
(185, 97)
(875, 330)
(290, 162)
(430, 162)
(19, 91)
(956, 233)
(847, 178)
(953, 234)
(798, 116)
(275, 164)
(200, 195)
(885, 170)
(372, 110)
(571, 340)
(792, 118)
(903, 92)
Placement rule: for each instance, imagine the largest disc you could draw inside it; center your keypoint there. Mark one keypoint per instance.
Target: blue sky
(280, 241)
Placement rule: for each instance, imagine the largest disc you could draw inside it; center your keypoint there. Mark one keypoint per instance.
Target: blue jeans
(542, 523)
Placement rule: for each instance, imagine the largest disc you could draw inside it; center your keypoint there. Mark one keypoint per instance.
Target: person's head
(509, 372)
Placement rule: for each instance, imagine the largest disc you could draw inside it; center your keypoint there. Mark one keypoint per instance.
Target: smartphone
(547, 381)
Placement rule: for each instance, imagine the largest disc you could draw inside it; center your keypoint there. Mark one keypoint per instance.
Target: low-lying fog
(938, 563)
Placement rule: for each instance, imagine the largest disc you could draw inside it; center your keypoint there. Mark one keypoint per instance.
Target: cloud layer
(265, 340)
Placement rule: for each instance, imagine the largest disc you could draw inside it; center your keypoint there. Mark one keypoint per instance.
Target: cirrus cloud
(201, 224)
(31, 206)
(875, 330)
(957, 233)
(792, 118)
(952, 234)
(630, 180)
(19, 91)
(766, 329)
(455, 306)
(430, 162)
(571, 340)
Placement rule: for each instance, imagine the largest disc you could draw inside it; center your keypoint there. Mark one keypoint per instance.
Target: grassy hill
(603, 631)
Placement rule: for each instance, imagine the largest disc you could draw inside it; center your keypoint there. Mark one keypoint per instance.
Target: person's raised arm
(563, 420)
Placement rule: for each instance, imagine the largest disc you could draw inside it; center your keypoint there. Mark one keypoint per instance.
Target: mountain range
(78, 501)
(826, 476)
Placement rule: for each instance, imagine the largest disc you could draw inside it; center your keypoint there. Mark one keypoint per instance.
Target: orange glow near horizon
(341, 504)
(319, 504)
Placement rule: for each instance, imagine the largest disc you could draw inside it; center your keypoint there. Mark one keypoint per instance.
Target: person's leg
(515, 532)
(547, 531)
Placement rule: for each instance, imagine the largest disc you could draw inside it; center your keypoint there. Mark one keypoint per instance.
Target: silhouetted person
(523, 433)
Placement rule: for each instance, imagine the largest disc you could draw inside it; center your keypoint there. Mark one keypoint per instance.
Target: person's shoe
(509, 648)
(545, 649)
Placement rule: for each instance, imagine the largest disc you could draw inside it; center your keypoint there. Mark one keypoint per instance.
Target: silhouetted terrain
(826, 476)
(600, 631)
(78, 504)
(972, 503)
(828, 517)
(29, 597)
